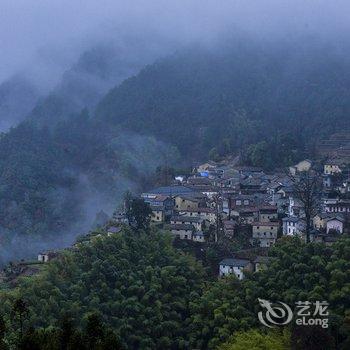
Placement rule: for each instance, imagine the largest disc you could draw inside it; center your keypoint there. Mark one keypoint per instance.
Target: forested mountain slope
(86, 82)
(270, 103)
(54, 181)
(233, 96)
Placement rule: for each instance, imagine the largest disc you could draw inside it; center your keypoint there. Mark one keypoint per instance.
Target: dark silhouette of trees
(137, 291)
(94, 330)
(20, 311)
(138, 212)
(3, 330)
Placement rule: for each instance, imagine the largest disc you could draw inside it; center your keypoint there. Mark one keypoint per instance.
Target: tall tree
(306, 188)
(138, 212)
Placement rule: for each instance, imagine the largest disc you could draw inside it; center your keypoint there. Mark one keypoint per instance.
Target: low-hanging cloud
(42, 38)
(47, 36)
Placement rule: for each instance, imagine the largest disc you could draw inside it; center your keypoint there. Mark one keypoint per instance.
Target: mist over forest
(174, 175)
(87, 116)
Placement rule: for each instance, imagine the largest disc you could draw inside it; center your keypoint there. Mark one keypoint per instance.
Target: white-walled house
(293, 226)
(336, 205)
(235, 267)
(304, 165)
(335, 225)
(47, 256)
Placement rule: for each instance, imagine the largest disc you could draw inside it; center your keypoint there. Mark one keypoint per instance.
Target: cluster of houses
(230, 200)
(225, 200)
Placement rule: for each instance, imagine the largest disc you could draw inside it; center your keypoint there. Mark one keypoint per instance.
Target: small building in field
(327, 239)
(235, 267)
(47, 256)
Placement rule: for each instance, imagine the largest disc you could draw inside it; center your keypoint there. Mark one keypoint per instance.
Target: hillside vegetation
(156, 297)
(233, 96)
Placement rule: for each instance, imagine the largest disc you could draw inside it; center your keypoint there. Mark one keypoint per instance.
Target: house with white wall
(293, 226)
(335, 224)
(235, 267)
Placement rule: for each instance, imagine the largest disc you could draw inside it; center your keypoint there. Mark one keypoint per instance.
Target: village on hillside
(223, 201)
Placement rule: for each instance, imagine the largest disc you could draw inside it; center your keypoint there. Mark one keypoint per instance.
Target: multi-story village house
(265, 233)
(191, 220)
(190, 201)
(336, 205)
(208, 214)
(335, 224)
(246, 215)
(182, 231)
(293, 226)
(268, 213)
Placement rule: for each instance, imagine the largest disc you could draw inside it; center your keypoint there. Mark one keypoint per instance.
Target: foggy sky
(45, 37)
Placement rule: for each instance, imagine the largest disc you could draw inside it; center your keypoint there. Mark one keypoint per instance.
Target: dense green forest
(269, 103)
(238, 94)
(145, 294)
